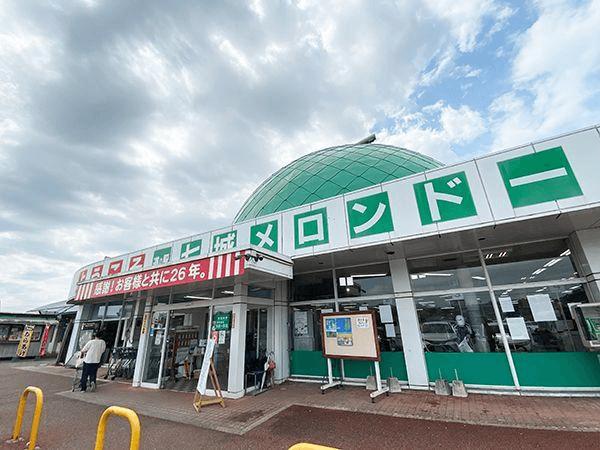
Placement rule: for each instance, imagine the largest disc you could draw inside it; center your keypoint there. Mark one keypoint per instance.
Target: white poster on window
(385, 312)
(517, 328)
(541, 308)
(300, 323)
(506, 304)
(390, 330)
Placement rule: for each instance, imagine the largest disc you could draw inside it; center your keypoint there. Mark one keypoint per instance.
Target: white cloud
(466, 18)
(124, 125)
(555, 75)
(457, 126)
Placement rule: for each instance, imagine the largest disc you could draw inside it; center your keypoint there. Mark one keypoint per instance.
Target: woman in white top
(91, 354)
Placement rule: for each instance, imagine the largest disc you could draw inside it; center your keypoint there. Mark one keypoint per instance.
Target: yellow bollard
(307, 446)
(134, 424)
(35, 424)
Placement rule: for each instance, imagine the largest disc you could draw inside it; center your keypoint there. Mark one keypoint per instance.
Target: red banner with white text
(230, 264)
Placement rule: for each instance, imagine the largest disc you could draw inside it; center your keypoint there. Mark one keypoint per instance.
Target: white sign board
(385, 312)
(517, 328)
(541, 308)
(506, 304)
(210, 348)
(350, 335)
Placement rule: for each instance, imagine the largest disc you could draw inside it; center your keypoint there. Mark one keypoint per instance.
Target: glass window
(260, 292)
(367, 280)
(97, 312)
(462, 270)
(388, 329)
(530, 263)
(15, 333)
(37, 333)
(162, 299)
(313, 286)
(205, 294)
(113, 310)
(4, 331)
(539, 320)
(458, 323)
(225, 291)
(307, 326)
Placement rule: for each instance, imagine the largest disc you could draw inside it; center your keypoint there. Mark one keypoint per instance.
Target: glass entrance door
(256, 341)
(153, 360)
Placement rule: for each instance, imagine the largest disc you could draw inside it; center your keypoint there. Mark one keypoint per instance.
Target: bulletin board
(350, 335)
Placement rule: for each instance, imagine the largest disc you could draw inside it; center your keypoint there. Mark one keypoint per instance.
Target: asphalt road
(70, 424)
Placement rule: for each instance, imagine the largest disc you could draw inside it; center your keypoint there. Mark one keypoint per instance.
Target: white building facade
(480, 269)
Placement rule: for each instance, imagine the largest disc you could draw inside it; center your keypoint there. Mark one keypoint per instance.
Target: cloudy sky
(124, 123)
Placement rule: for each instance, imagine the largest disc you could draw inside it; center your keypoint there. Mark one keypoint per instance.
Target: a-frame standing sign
(208, 370)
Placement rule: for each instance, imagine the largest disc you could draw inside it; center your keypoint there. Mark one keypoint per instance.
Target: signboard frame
(340, 314)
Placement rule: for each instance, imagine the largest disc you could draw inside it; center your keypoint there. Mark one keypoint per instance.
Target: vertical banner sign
(23, 346)
(44, 342)
(444, 198)
(539, 177)
(208, 353)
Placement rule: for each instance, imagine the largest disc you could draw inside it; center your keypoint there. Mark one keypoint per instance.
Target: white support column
(75, 332)
(237, 351)
(280, 333)
(412, 344)
(144, 338)
(585, 245)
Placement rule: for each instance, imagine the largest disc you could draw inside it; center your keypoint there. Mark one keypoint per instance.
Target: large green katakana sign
(444, 198)
(190, 249)
(224, 241)
(539, 177)
(369, 215)
(161, 256)
(310, 228)
(265, 235)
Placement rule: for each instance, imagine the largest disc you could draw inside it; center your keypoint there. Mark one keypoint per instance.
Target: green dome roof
(329, 172)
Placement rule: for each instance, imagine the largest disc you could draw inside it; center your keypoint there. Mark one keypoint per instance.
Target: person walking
(92, 355)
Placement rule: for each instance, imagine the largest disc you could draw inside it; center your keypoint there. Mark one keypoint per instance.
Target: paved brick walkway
(240, 416)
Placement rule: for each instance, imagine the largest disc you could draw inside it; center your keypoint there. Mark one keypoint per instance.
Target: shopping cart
(76, 363)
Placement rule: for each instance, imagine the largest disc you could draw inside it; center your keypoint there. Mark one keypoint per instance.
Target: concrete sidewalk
(241, 416)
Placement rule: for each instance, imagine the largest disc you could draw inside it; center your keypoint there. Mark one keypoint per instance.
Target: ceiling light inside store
(437, 274)
(552, 262)
(369, 275)
(566, 253)
(478, 278)
(227, 292)
(197, 297)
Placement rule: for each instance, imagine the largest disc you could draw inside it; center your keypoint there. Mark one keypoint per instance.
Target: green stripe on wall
(473, 368)
(312, 363)
(558, 369)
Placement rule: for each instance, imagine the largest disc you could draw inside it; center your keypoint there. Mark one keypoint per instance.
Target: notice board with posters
(350, 335)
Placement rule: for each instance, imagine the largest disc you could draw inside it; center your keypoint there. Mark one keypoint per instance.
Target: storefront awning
(215, 267)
